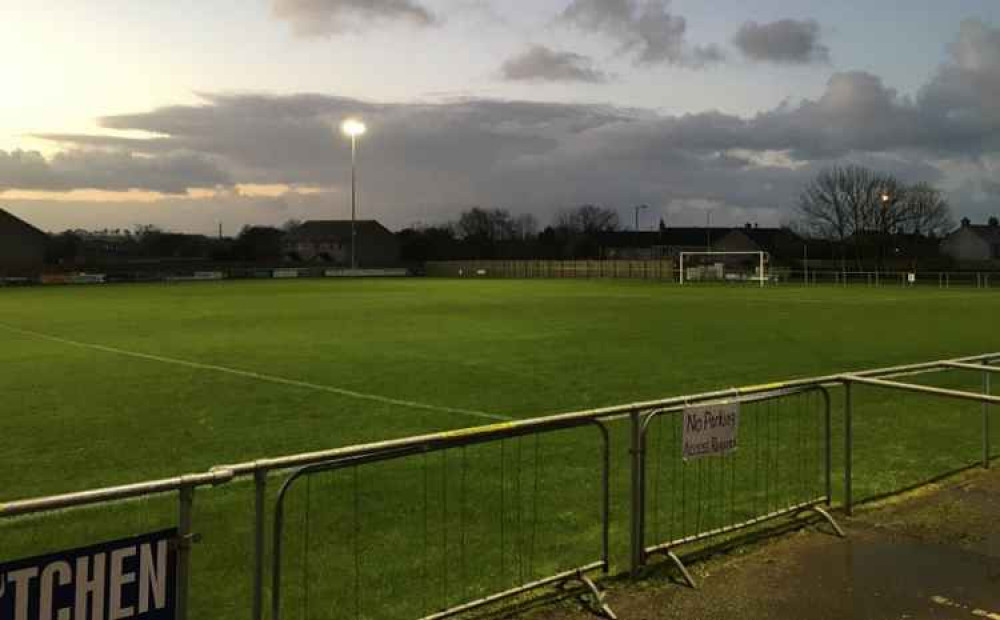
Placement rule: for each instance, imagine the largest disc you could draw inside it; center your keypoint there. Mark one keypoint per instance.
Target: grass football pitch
(117, 384)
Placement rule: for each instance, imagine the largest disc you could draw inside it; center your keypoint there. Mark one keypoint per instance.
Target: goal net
(733, 267)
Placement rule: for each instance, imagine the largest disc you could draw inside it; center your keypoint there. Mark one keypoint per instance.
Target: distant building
(780, 243)
(329, 241)
(664, 243)
(22, 247)
(973, 242)
(670, 242)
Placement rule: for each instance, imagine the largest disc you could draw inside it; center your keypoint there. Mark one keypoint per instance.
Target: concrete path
(931, 554)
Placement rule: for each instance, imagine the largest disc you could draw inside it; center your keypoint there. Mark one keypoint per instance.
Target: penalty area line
(249, 374)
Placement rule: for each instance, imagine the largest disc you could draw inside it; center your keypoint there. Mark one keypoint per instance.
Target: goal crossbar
(762, 276)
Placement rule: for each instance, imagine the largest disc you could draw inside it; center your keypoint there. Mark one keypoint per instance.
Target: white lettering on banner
(90, 585)
(119, 579)
(127, 582)
(65, 572)
(153, 577)
(710, 430)
(21, 579)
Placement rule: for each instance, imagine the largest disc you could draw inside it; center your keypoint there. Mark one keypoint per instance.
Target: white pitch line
(258, 376)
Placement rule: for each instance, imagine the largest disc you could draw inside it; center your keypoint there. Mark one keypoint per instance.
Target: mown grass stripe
(249, 374)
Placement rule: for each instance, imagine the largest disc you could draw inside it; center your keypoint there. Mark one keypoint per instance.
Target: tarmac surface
(933, 553)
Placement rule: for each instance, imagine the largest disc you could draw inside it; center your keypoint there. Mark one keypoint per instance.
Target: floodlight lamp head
(886, 198)
(353, 128)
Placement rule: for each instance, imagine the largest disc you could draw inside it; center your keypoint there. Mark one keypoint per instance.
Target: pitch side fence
(887, 279)
(477, 516)
(587, 269)
(120, 275)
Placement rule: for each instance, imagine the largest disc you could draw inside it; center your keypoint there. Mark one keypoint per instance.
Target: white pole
(762, 270)
(682, 267)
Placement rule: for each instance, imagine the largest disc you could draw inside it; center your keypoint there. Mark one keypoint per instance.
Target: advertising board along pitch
(128, 578)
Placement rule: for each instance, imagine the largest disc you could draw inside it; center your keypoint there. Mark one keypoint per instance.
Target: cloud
(541, 64)
(645, 28)
(327, 17)
(967, 88)
(171, 173)
(784, 41)
(198, 214)
(425, 161)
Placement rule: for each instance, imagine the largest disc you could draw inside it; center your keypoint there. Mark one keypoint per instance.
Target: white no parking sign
(710, 430)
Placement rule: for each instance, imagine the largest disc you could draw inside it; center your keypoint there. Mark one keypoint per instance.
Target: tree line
(148, 242)
(864, 210)
(859, 211)
(481, 233)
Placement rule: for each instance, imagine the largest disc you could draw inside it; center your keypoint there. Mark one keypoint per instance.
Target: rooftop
(9, 220)
(337, 229)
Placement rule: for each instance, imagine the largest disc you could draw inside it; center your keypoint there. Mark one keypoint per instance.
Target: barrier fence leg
(260, 497)
(185, 538)
(848, 448)
(600, 603)
(829, 519)
(986, 420)
(828, 447)
(638, 499)
(683, 569)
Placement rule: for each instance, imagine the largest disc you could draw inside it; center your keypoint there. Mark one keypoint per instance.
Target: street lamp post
(353, 129)
(637, 209)
(888, 202)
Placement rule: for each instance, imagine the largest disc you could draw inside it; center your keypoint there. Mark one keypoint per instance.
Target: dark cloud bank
(784, 41)
(648, 30)
(426, 161)
(326, 17)
(542, 64)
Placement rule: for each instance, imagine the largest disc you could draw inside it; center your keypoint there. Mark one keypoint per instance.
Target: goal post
(723, 266)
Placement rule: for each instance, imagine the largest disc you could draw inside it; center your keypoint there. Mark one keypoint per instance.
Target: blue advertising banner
(128, 578)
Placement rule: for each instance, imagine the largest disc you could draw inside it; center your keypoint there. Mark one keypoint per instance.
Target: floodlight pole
(354, 197)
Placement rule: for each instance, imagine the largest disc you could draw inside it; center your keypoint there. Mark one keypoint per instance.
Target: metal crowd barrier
(811, 493)
(444, 444)
(783, 467)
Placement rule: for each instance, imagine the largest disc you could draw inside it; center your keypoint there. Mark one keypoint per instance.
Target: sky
(185, 114)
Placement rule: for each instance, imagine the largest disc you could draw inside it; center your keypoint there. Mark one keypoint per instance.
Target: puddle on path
(881, 579)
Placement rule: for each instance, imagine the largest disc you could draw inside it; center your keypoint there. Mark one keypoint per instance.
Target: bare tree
(927, 211)
(486, 225)
(588, 219)
(525, 226)
(837, 203)
(475, 224)
(852, 203)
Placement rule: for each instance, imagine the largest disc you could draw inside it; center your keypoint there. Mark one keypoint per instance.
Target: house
(973, 242)
(664, 243)
(329, 241)
(22, 247)
(780, 243)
